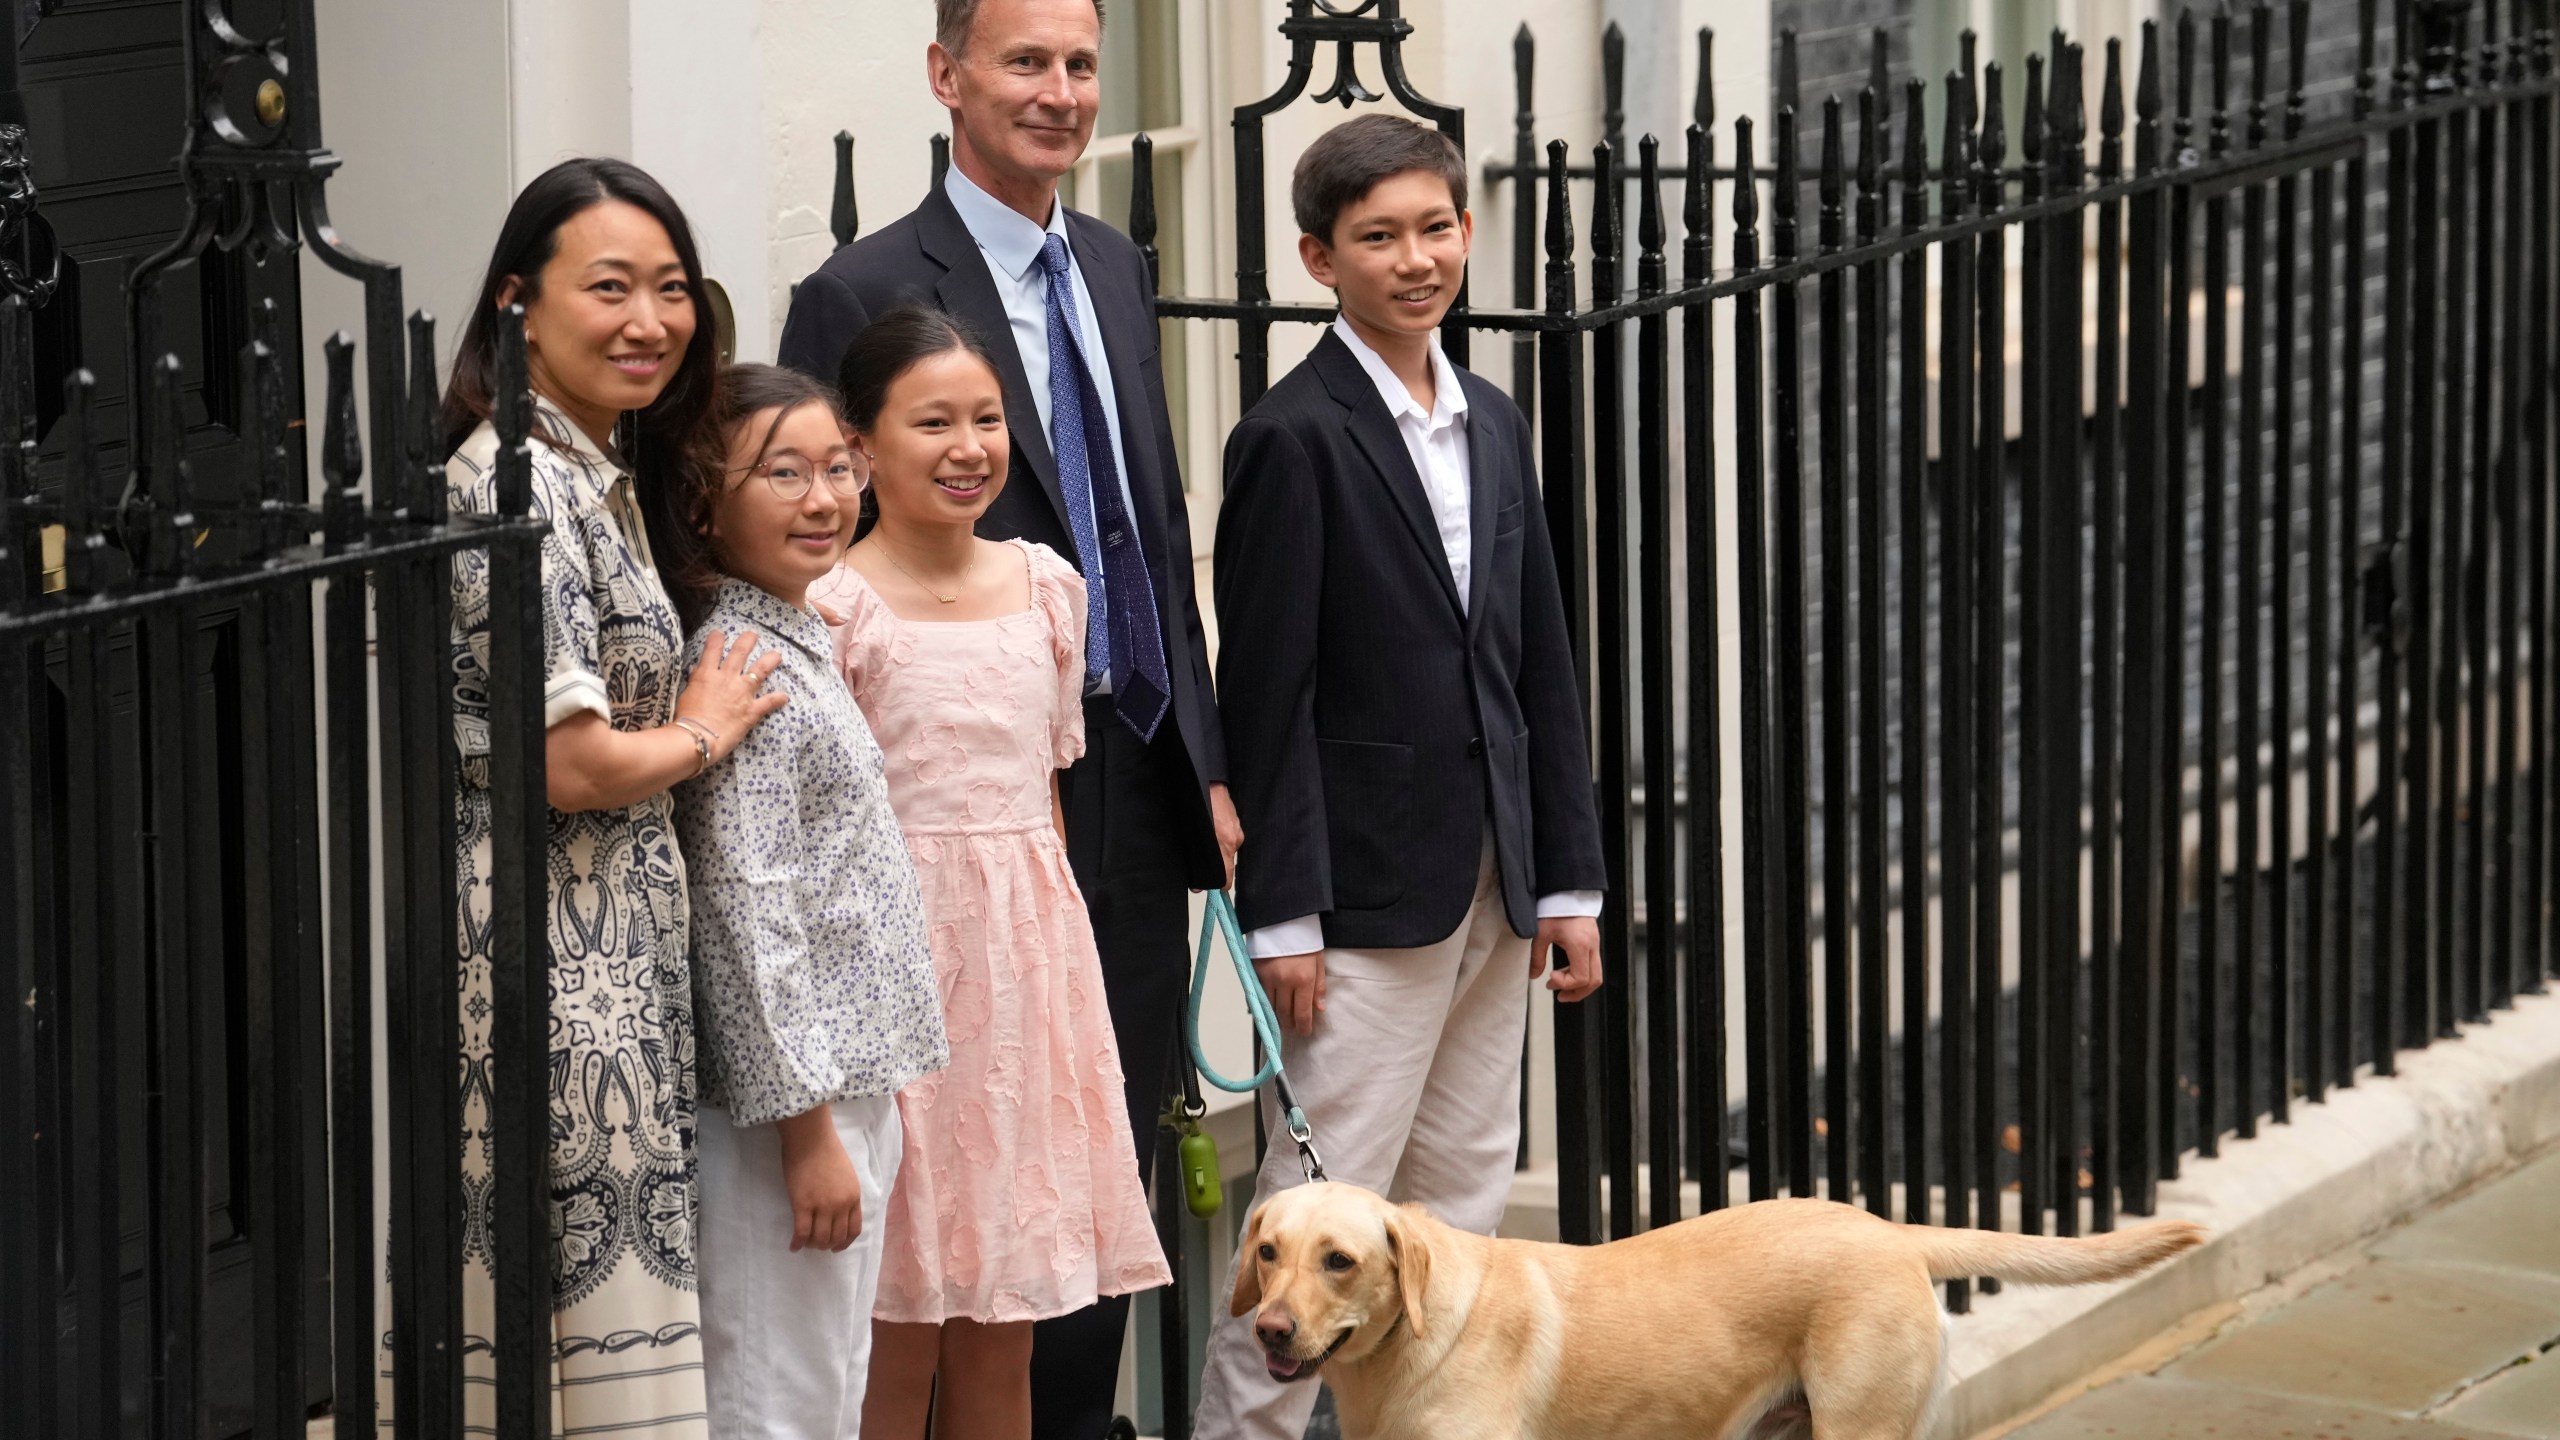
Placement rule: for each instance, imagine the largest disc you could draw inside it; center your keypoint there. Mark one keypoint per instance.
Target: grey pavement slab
(2510, 1224)
(2152, 1408)
(2524, 1399)
(2394, 1336)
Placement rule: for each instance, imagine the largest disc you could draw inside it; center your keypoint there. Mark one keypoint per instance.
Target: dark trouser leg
(1127, 814)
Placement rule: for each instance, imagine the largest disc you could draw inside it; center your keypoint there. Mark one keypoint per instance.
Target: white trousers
(1411, 1082)
(786, 1338)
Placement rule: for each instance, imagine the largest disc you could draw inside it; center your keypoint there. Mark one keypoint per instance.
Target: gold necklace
(951, 599)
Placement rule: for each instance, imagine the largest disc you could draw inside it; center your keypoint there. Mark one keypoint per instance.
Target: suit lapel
(1488, 480)
(968, 291)
(1373, 431)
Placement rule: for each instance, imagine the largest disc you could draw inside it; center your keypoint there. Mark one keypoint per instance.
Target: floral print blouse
(811, 974)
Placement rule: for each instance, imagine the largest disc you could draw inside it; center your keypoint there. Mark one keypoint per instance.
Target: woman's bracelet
(704, 737)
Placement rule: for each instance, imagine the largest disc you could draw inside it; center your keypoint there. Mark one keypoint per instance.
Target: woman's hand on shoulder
(726, 694)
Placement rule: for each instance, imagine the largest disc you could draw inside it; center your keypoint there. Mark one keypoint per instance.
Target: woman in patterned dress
(622, 368)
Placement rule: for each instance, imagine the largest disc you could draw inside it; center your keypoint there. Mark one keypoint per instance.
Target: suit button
(1475, 746)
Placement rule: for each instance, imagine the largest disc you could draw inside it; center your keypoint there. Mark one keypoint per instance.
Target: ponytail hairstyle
(679, 513)
(676, 432)
(887, 348)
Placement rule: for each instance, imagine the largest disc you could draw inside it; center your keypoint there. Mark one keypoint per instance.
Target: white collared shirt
(1436, 439)
(1011, 245)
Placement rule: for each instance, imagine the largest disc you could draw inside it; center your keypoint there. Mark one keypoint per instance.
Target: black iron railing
(2139, 717)
(226, 748)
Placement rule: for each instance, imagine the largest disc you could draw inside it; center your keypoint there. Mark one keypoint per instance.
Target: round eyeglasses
(791, 476)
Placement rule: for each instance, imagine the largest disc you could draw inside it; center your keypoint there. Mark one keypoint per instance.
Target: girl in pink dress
(1017, 1197)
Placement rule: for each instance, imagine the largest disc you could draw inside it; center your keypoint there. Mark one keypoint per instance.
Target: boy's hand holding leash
(1295, 984)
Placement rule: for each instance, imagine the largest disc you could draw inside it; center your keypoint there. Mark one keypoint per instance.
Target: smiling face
(1327, 1273)
(1396, 256)
(611, 317)
(1022, 93)
(939, 447)
(783, 545)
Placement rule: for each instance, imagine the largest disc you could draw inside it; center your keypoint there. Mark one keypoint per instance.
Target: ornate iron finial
(1703, 110)
(513, 402)
(2146, 85)
(1880, 72)
(1994, 145)
(1746, 198)
(2031, 115)
(1559, 228)
(2439, 27)
(1604, 211)
(426, 504)
(1142, 206)
(1651, 233)
(271, 463)
(1697, 192)
(1870, 161)
(1915, 153)
(1832, 182)
(341, 447)
(844, 220)
(2297, 35)
(1346, 86)
(1613, 87)
(2221, 129)
(1953, 137)
(1524, 73)
(1788, 94)
(2111, 92)
(2262, 28)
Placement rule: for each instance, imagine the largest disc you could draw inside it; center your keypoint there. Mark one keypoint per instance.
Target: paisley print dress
(626, 1334)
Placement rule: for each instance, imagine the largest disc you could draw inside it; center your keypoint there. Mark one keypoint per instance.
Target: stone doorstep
(2343, 1171)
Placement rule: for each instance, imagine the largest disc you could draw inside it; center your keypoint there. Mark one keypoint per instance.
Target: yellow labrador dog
(1788, 1317)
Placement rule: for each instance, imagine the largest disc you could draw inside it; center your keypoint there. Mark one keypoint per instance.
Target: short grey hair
(952, 19)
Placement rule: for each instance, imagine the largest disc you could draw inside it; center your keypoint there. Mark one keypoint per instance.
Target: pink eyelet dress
(1018, 1195)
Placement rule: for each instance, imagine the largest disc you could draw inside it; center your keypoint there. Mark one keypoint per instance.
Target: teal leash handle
(1220, 924)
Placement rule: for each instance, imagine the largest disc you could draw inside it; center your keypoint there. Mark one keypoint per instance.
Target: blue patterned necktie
(1123, 637)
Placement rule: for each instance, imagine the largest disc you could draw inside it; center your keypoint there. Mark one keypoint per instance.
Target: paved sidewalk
(2446, 1328)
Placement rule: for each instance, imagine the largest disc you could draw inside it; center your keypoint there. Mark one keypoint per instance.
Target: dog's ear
(1409, 1241)
(1248, 1268)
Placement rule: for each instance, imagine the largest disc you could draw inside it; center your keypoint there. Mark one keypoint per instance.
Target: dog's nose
(1275, 1330)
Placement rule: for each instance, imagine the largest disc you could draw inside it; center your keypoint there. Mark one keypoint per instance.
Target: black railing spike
(2031, 114)
(269, 462)
(2111, 92)
(341, 446)
(1880, 70)
(2262, 27)
(426, 440)
(1604, 207)
(1694, 183)
(513, 404)
(940, 146)
(2075, 115)
(1994, 145)
(1786, 190)
(2297, 35)
(1142, 206)
(1650, 231)
(1953, 138)
(1834, 173)
(1915, 140)
(84, 486)
(2146, 84)
(1967, 68)
(1789, 95)
(1871, 113)
(1703, 110)
(2368, 49)
(844, 221)
(1746, 187)
(2222, 67)
(1613, 86)
(1559, 204)
(170, 548)
(1524, 70)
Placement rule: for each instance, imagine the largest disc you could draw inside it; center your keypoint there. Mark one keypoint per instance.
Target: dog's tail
(2045, 1260)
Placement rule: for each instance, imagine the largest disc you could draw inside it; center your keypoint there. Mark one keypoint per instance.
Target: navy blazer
(1375, 727)
(928, 257)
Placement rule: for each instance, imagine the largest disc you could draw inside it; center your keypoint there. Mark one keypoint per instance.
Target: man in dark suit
(1063, 299)
(1404, 727)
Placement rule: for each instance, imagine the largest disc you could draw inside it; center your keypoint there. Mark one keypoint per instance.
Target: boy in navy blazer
(1403, 727)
